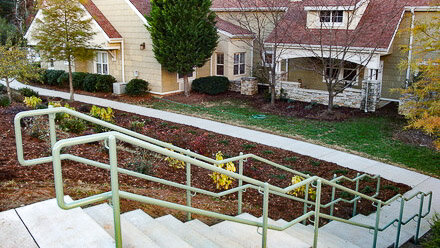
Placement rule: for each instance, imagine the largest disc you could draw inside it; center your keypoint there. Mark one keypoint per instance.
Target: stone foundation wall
(351, 98)
(235, 86)
(249, 86)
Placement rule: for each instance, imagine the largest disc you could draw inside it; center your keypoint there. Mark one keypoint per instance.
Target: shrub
(222, 181)
(32, 102)
(73, 125)
(300, 192)
(61, 116)
(37, 127)
(211, 85)
(90, 82)
(78, 80)
(26, 92)
(137, 126)
(4, 101)
(50, 77)
(104, 83)
(63, 79)
(434, 239)
(102, 114)
(2, 89)
(136, 87)
(143, 167)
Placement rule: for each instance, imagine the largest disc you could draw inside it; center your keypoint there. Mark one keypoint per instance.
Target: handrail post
(332, 207)
(115, 190)
(265, 214)
(52, 129)
(306, 197)
(317, 212)
(419, 220)
(240, 183)
(376, 225)
(188, 192)
(357, 190)
(399, 224)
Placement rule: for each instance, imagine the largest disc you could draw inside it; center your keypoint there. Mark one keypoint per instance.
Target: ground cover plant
(24, 185)
(377, 135)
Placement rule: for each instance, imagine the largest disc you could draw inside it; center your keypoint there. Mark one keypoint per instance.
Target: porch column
(371, 86)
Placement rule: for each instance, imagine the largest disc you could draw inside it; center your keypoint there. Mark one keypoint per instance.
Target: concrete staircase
(44, 224)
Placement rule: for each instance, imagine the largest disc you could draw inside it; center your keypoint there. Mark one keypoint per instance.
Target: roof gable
(102, 21)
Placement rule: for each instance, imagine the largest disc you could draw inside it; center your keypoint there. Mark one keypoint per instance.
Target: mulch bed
(24, 185)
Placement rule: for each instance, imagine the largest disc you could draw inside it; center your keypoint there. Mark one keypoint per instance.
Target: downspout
(123, 61)
(252, 59)
(411, 41)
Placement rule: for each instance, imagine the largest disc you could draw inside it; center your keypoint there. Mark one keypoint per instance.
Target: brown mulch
(415, 137)
(24, 185)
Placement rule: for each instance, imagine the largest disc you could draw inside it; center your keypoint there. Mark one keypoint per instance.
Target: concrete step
(131, 236)
(13, 232)
(359, 236)
(247, 235)
(53, 227)
(205, 230)
(155, 230)
(389, 233)
(306, 233)
(184, 232)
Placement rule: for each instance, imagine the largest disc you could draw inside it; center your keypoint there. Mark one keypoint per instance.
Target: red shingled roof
(332, 2)
(232, 28)
(242, 4)
(143, 6)
(101, 20)
(375, 30)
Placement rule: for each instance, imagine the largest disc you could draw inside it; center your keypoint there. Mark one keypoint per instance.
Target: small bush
(433, 241)
(300, 192)
(248, 146)
(143, 167)
(291, 159)
(78, 80)
(73, 125)
(211, 85)
(63, 80)
(104, 83)
(37, 127)
(26, 92)
(2, 89)
(222, 181)
(102, 114)
(50, 77)
(137, 126)
(90, 82)
(32, 102)
(4, 101)
(136, 87)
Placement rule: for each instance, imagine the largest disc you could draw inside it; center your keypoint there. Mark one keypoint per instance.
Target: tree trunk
(330, 100)
(272, 94)
(8, 89)
(70, 81)
(186, 84)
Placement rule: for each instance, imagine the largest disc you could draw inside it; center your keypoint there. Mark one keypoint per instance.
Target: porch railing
(194, 159)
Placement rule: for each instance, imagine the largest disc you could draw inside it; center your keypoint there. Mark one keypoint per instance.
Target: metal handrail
(204, 162)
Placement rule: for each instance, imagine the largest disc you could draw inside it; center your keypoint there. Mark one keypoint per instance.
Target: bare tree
(337, 41)
(263, 18)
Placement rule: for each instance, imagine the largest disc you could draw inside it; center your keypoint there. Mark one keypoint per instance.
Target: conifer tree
(183, 33)
(64, 33)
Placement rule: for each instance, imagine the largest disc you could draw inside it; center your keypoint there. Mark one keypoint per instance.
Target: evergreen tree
(183, 33)
(64, 33)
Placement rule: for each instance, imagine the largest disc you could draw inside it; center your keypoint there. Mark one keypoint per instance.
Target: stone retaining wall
(351, 98)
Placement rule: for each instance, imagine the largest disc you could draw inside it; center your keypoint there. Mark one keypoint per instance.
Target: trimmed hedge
(78, 80)
(2, 89)
(26, 92)
(104, 83)
(211, 85)
(136, 87)
(50, 77)
(90, 82)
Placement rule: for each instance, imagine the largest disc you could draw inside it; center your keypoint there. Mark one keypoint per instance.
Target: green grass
(371, 135)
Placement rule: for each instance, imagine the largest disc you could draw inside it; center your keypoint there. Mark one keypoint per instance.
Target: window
(332, 72)
(268, 58)
(350, 74)
(220, 64)
(335, 16)
(102, 63)
(51, 64)
(239, 63)
(190, 75)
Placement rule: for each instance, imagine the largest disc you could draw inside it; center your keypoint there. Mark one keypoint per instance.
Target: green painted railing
(191, 158)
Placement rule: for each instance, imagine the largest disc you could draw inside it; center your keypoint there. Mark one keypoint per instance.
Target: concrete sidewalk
(419, 181)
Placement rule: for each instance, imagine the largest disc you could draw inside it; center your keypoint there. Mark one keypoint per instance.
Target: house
(368, 33)
(125, 47)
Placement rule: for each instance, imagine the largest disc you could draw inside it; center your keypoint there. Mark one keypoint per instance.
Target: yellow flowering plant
(300, 192)
(32, 102)
(105, 114)
(61, 116)
(222, 181)
(174, 162)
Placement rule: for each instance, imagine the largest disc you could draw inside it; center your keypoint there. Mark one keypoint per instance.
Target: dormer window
(334, 16)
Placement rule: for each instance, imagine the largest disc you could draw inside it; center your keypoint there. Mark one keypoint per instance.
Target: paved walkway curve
(419, 181)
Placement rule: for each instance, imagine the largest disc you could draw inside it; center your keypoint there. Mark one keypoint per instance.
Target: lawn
(371, 134)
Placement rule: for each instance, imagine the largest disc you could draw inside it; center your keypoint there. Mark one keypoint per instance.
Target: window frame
(218, 64)
(331, 17)
(239, 67)
(100, 64)
(341, 75)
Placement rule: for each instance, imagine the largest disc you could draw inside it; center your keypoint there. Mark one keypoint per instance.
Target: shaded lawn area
(371, 135)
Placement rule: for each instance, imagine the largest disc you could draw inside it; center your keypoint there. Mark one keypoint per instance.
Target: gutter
(411, 41)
